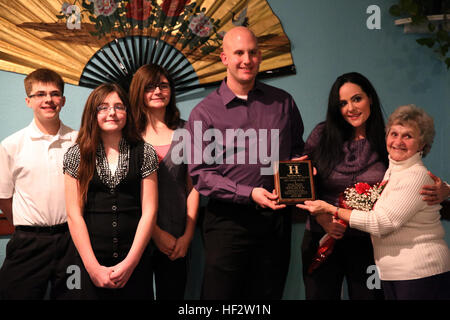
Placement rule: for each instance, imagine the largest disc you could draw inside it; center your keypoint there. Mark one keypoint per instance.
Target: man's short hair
(44, 76)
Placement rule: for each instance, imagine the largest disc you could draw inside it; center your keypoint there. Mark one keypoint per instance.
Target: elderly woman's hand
(317, 207)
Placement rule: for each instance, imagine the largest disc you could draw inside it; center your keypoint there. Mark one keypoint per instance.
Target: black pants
(33, 259)
(247, 252)
(351, 257)
(436, 287)
(170, 276)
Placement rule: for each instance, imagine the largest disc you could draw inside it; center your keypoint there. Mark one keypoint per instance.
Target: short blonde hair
(412, 115)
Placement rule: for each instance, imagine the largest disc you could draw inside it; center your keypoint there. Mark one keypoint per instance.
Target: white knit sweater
(407, 235)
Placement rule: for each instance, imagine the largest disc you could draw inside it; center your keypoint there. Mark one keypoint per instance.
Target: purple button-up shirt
(234, 142)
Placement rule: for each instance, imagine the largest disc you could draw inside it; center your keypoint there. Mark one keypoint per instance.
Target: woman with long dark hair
(111, 199)
(339, 131)
(152, 97)
(347, 148)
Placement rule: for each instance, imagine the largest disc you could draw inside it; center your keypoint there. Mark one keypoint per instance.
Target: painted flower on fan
(201, 25)
(139, 9)
(173, 8)
(362, 196)
(104, 7)
(64, 7)
(70, 9)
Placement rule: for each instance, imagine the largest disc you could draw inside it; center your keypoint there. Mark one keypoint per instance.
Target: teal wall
(328, 38)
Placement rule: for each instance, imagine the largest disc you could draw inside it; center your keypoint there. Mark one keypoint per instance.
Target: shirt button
(114, 208)
(115, 240)
(115, 255)
(111, 191)
(114, 224)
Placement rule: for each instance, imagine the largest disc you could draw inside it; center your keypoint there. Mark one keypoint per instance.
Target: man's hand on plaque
(266, 199)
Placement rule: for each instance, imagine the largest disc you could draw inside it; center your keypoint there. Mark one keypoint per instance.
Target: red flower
(173, 8)
(139, 9)
(362, 187)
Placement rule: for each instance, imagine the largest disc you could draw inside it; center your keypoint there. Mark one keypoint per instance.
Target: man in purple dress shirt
(237, 132)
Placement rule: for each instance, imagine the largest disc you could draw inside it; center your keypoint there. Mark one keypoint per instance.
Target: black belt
(237, 207)
(59, 228)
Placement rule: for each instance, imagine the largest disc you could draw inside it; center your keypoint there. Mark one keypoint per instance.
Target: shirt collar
(404, 164)
(228, 95)
(62, 134)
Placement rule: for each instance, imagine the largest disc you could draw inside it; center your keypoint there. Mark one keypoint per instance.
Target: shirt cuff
(243, 193)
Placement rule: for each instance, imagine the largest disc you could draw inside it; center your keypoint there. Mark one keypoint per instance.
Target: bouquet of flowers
(361, 196)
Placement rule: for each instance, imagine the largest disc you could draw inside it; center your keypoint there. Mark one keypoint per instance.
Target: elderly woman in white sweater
(410, 252)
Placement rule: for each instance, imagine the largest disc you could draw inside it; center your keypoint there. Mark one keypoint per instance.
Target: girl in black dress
(111, 198)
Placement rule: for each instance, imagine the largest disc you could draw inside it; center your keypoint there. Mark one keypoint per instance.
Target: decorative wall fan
(92, 41)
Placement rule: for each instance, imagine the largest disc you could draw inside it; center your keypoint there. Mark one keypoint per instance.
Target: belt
(237, 207)
(59, 228)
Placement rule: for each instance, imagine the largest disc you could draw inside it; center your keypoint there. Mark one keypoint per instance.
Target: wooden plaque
(294, 181)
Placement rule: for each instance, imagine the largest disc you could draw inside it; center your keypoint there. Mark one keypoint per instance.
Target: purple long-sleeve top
(246, 135)
(360, 164)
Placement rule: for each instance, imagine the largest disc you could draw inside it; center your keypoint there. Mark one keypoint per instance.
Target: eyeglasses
(41, 95)
(104, 108)
(164, 86)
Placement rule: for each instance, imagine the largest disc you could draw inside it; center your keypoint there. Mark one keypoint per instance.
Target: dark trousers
(33, 259)
(170, 276)
(350, 259)
(436, 287)
(247, 252)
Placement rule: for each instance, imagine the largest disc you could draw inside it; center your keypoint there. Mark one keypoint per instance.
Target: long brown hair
(89, 135)
(145, 75)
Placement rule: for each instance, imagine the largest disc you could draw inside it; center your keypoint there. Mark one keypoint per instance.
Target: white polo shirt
(31, 173)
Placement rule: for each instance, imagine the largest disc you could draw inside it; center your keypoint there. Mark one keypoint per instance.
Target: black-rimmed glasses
(163, 86)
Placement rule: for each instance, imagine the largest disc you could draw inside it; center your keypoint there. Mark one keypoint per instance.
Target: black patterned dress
(112, 212)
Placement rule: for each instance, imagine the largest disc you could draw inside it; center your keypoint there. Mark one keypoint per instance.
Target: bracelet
(336, 213)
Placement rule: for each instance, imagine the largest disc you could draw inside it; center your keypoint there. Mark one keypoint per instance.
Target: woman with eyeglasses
(111, 199)
(152, 100)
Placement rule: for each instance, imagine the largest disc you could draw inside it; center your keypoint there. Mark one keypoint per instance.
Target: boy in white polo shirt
(32, 195)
